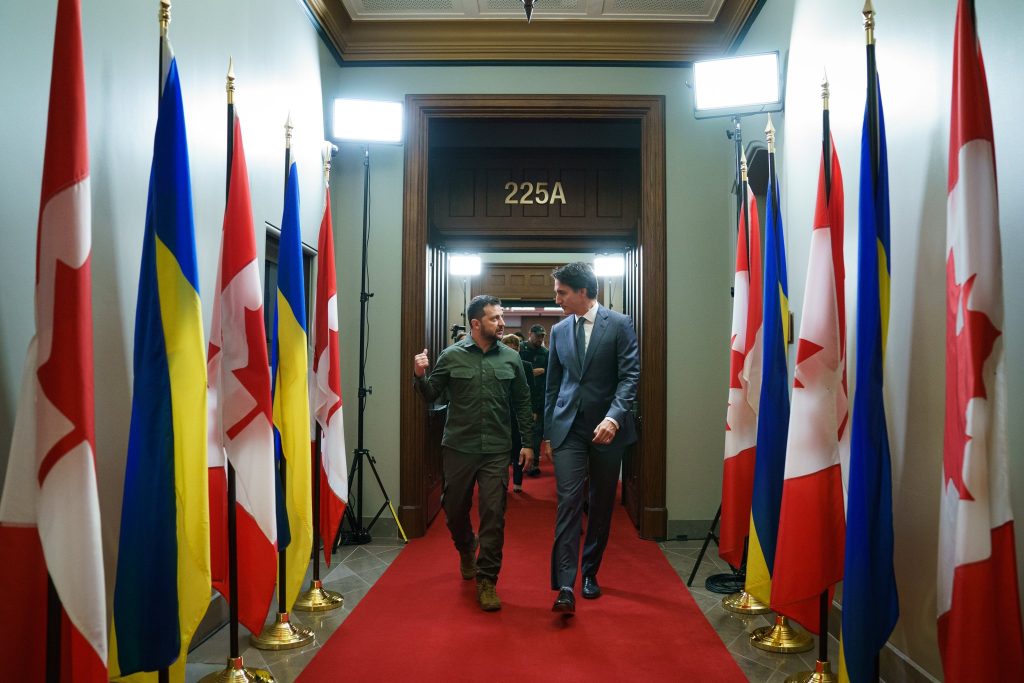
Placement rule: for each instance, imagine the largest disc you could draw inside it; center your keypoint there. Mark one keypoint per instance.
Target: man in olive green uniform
(481, 377)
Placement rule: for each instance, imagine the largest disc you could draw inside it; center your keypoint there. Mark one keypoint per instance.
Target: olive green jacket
(480, 388)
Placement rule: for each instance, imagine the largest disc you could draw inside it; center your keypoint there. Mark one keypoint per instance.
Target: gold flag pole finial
(231, 81)
(743, 166)
(824, 90)
(165, 16)
(769, 133)
(869, 22)
(288, 131)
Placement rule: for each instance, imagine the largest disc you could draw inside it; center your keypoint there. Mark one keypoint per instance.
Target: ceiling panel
(629, 31)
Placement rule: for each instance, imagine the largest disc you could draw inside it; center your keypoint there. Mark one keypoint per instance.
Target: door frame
(649, 111)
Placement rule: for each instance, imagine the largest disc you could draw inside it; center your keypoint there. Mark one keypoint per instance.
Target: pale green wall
(699, 264)
(915, 42)
(277, 67)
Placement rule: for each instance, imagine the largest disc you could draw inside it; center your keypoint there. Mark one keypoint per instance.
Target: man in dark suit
(592, 376)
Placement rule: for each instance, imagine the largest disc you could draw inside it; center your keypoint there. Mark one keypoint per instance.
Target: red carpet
(421, 622)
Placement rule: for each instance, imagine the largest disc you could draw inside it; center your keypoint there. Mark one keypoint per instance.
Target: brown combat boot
(467, 560)
(487, 595)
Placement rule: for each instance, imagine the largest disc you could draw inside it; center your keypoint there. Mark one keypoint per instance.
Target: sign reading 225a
(527, 192)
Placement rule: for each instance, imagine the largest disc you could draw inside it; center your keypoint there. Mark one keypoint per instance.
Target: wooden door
(634, 456)
(436, 414)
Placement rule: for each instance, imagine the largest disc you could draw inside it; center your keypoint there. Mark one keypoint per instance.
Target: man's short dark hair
(578, 275)
(475, 311)
(538, 330)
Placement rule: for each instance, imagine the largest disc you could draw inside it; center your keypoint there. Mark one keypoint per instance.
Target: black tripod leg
(703, 549)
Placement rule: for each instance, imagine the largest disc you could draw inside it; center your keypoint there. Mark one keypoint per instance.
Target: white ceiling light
(737, 85)
(367, 120)
(464, 264)
(610, 266)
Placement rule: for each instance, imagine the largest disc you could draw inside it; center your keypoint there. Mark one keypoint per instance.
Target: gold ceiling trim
(550, 40)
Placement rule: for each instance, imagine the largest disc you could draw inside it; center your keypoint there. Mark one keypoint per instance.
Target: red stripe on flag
(23, 629)
(980, 636)
(810, 548)
(737, 491)
(971, 117)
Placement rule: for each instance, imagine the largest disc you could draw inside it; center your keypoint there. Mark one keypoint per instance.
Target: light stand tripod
(358, 534)
(728, 583)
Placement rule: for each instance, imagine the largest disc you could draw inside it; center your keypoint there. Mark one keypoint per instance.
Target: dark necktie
(581, 340)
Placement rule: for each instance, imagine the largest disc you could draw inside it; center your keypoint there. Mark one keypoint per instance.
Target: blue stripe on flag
(870, 603)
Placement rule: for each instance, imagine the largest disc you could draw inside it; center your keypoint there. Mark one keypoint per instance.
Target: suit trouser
(574, 459)
(461, 472)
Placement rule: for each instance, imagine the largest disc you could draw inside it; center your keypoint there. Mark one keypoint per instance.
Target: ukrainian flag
(870, 604)
(162, 587)
(773, 417)
(291, 396)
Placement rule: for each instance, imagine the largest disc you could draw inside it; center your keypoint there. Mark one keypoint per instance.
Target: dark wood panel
(530, 282)
(463, 204)
(534, 193)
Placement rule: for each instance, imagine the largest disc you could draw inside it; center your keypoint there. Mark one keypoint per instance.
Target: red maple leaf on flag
(254, 376)
(966, 353)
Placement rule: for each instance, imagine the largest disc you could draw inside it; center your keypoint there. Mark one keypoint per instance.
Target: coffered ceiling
(628, 31)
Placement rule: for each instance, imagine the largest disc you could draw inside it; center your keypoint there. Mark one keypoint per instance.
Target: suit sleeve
(628, 354)
(553, 377)
(521, 404)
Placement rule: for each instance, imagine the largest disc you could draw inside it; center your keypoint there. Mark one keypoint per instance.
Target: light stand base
(236, 672)
(782, 637)
(282, 635)
(744, 603)
(318, 598)
(822, 674)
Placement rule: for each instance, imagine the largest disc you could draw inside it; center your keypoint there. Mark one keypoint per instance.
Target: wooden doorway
(644, 476)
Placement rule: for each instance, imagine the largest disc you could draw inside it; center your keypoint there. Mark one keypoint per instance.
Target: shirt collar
(590, 316)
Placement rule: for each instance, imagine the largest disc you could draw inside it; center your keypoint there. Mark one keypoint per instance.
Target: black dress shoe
(565, 603)
(590, 588)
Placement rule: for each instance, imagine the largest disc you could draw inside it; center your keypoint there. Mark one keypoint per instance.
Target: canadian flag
(240, 410)
(978, 600)
(812, 514)
(744, 390)
(326, 390)
(49, 511)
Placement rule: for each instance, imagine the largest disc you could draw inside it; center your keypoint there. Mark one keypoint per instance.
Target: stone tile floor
(734, 629)
(357, 568)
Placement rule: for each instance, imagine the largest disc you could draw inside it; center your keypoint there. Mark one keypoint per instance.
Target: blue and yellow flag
(162, 588)
(773, 416)
(870, 604)
(291, 396)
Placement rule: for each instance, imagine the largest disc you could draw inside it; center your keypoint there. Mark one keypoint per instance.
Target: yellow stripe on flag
(291, 415)
(759, 581)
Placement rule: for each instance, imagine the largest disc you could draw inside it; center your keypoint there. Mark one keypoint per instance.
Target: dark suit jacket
(604, 387)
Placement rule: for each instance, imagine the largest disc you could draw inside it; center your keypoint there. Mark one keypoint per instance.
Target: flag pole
(874, 139)
(236, 671)
(282, 634)
(743, 602)
(53, 628)
(317, 598)
(164, 15)
(823, 673)
(782, 636)
(822, 667)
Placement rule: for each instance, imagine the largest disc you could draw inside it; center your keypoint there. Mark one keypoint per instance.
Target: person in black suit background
(592, 377)
(534, 351)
